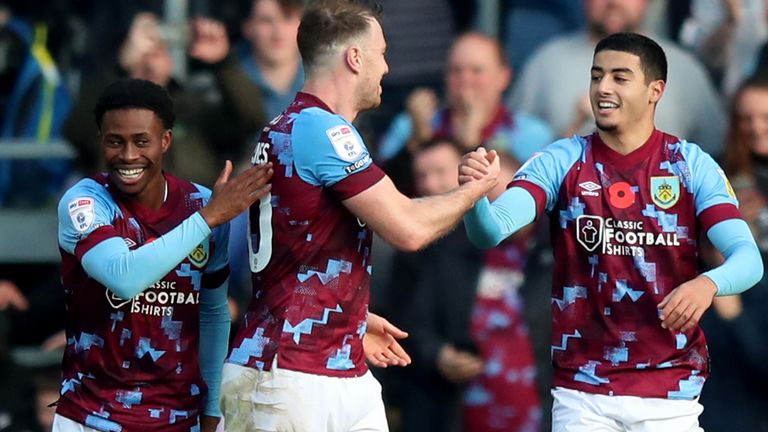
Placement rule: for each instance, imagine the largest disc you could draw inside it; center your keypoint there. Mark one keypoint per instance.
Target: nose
(129, 152)
(604, 86)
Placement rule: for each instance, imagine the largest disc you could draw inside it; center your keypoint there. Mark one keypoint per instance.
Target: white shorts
(288, 401)
(63, 424)
(576, 411)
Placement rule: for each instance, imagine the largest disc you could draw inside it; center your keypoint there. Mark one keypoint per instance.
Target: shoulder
(86, 188)
(316, 118)
(315, 126)
(571, 148)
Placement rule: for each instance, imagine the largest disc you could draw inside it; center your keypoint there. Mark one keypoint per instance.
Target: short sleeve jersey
(624, 231)
(309, 255)
(133, 364)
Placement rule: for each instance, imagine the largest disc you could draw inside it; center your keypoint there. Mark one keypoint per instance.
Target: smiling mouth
(129, 173)
(606, 107)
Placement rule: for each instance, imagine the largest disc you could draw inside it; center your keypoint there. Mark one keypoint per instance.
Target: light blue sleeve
(547, 168)
(529, 136)
(326, 148)
(128, 272)
(214, 336)
(396, 136)
(706, 179)
(743, 266)
(487, 224)
(84, 208)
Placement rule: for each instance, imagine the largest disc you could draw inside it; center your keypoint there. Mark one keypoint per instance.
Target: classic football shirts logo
(619, 237)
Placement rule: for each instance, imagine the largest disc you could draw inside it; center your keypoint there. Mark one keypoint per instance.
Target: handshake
(479, 170)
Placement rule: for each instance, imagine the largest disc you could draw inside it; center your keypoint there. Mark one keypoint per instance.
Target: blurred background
(507, 74)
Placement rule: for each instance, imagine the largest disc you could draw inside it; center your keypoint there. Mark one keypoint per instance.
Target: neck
(335, 92)
(153, 196)
(626, 142)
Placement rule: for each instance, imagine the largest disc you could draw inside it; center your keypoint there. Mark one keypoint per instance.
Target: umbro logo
(129, 242)
(589, 188)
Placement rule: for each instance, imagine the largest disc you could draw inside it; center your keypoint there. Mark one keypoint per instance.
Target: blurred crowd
(479, 321)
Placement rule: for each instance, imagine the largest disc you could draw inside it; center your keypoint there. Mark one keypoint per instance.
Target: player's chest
(627, 210)
(187, 274)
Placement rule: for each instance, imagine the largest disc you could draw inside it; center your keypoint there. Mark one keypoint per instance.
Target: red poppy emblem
(621, 195)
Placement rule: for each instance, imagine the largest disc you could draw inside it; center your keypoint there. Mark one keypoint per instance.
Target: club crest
(199, 256)
(665, 191)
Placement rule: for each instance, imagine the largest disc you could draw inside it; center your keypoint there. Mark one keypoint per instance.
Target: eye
(595, 78)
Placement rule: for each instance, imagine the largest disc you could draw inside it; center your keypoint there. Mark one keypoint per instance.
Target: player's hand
(210, 43)
(11, 296)
(208, 423)
(380, 343)
(480, 169)
(682, 309)
(233, 196)
(458, 366)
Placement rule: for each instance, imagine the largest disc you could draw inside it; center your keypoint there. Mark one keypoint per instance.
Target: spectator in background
(205, 127)
(267, 67)
(268, 58)
(550, 89)
(473, 365)
(477, 75)
(735, 330)
(33, 102)
(727, 36)
(529, 23)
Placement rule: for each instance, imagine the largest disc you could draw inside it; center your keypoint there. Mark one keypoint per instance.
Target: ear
(656, 90)
(165, 141)
(354, 58)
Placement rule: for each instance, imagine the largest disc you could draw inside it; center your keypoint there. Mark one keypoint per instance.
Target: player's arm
(743, 266)
(533, 189)
(329, 153)
(487, 224)
(106, 258)
(410, 224)
(718, 214)
(214, 320)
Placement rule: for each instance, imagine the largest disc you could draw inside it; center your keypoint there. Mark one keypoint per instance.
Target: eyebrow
(614, 70)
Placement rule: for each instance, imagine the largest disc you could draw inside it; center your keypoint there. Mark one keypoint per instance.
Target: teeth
(607, 105)
(130, 173)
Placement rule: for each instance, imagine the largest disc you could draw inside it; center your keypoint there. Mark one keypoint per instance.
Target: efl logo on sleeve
(82, 213)
(345, 142)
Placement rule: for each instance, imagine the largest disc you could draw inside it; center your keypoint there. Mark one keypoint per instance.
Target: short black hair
(652, 57)
(135, 93)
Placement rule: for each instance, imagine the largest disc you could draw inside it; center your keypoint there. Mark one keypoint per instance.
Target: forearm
(487, 224)
(127, 273)
(743, 266)
(214, 335)
(430, 218)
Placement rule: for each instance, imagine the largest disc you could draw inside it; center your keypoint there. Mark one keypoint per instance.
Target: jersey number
(259, 258)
